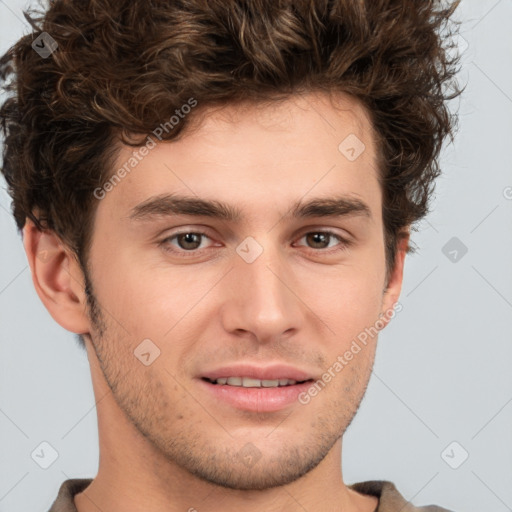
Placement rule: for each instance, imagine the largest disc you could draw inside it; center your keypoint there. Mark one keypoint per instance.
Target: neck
(125, 483)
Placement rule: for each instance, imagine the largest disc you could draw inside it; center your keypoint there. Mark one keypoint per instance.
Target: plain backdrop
(437, 416)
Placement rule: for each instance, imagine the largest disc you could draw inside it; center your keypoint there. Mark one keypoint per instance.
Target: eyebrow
(174, 204)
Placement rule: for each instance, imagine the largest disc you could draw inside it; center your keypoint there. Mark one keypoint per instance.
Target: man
(217, 198)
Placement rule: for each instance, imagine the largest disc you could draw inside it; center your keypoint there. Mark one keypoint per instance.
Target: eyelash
(344, 244)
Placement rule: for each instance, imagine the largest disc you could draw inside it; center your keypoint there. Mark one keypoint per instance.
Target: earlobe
(57, 278)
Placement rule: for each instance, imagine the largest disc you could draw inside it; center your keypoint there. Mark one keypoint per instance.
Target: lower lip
(256, 399)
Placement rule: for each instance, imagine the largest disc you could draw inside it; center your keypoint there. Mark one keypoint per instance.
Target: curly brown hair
(124, 66)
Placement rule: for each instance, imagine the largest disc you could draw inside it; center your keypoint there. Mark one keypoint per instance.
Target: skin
(165, 444)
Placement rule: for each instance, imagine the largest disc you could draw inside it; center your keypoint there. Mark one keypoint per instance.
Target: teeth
(271, 383)
(248, 382)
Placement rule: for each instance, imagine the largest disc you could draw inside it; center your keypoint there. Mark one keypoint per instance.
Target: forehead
(250, 151)
(305, 117)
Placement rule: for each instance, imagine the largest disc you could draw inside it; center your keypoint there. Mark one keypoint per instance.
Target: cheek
(163, 304)
(347, 300)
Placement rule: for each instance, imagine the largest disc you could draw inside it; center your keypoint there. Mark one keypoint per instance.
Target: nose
(261, 300)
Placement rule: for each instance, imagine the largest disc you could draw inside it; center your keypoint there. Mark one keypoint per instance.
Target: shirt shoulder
(390, 500)
(64, 501)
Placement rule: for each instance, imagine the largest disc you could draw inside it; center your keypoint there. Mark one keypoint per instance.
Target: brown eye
(185, 241)
(319, 240)
(189, 240)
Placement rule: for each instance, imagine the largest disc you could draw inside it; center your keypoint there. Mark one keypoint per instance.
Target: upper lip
(270, 372)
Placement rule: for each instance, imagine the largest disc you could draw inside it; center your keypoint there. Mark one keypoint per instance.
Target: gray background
(442, 372)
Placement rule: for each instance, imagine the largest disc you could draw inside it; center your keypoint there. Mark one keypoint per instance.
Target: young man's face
(264, 290)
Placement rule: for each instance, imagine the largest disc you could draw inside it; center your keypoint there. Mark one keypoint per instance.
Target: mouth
(255, 395)
(249, 382)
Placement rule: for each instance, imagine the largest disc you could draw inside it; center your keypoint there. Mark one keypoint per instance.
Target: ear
(394, 287)
(57, 278)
